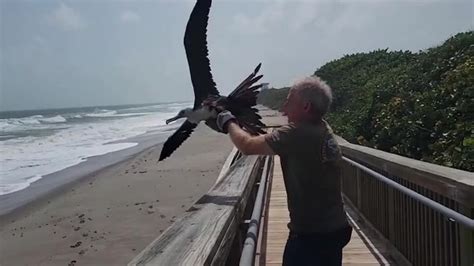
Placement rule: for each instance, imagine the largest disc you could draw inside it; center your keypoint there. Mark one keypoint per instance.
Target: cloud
(129, 17)
(293, 16)
(262, 22)
(67, 18)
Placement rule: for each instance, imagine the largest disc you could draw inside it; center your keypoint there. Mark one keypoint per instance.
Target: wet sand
(108, 217)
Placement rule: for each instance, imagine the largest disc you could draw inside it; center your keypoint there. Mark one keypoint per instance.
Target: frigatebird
(207, 100)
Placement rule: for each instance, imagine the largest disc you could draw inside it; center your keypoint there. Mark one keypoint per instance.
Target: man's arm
(246, 143)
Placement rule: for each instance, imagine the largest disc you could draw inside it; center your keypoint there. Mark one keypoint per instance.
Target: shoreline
(109, 216)
(55, 182)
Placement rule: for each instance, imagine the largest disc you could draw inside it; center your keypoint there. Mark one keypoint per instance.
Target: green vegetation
(419, 105)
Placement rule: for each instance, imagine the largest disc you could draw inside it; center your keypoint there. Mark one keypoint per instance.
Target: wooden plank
(227, 163)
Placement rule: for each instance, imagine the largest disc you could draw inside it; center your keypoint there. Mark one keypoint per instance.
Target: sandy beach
(108, 217)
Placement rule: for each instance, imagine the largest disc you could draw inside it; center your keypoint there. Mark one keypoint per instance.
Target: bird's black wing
(178, 137)
(195, 44)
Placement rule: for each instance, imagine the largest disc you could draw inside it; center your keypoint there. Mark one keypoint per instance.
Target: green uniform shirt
(310, 159)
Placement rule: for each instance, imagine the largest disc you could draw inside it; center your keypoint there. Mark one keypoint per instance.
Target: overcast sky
(105, 52)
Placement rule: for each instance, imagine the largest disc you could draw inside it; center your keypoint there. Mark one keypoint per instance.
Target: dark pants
(316, 249)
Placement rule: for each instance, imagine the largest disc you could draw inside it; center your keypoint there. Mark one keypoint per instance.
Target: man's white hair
(317, 92)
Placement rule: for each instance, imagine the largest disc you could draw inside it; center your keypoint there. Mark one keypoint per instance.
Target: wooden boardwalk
(360, 250)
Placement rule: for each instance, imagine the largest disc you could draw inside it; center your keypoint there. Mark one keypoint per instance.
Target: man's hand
(223, 116)
(225, 122)
(222, 119)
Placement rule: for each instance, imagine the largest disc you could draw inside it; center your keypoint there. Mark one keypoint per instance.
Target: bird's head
(181, 114)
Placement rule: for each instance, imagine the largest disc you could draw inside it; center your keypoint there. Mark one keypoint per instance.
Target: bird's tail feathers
(246, 93)
(245, 97)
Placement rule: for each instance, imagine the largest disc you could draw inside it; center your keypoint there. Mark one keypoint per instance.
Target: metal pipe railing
(248, 252)
(466, 221)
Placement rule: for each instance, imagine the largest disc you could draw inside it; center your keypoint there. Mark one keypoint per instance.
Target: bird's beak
(172, 119)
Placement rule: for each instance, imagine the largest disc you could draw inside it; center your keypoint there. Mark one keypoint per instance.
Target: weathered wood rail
(421, 234)
(212, 230)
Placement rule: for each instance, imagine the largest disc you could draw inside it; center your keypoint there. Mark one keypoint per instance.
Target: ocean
(36, 143)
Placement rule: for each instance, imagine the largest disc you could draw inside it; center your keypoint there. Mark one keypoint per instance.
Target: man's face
(294, 107)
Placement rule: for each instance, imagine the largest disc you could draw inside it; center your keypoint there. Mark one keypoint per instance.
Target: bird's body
(202, 113)
(208, 102)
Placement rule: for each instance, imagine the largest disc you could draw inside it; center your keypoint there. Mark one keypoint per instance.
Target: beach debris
(77, 228)
(80, 216)
(142, 172)
(162, 216)
(72, 263)
(150, 211)
(85, 234)
(140, 203)
(82, 252)
(78, 243)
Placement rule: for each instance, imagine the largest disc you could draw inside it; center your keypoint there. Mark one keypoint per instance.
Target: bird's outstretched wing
(195, 44)
(175, 140)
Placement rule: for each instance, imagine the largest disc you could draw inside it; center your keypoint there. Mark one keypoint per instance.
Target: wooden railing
(212, 232)
(422, 235)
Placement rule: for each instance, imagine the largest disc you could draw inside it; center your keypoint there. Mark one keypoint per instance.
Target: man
(310, 160)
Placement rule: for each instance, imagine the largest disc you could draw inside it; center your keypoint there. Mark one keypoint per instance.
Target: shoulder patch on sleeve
(330, 150)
